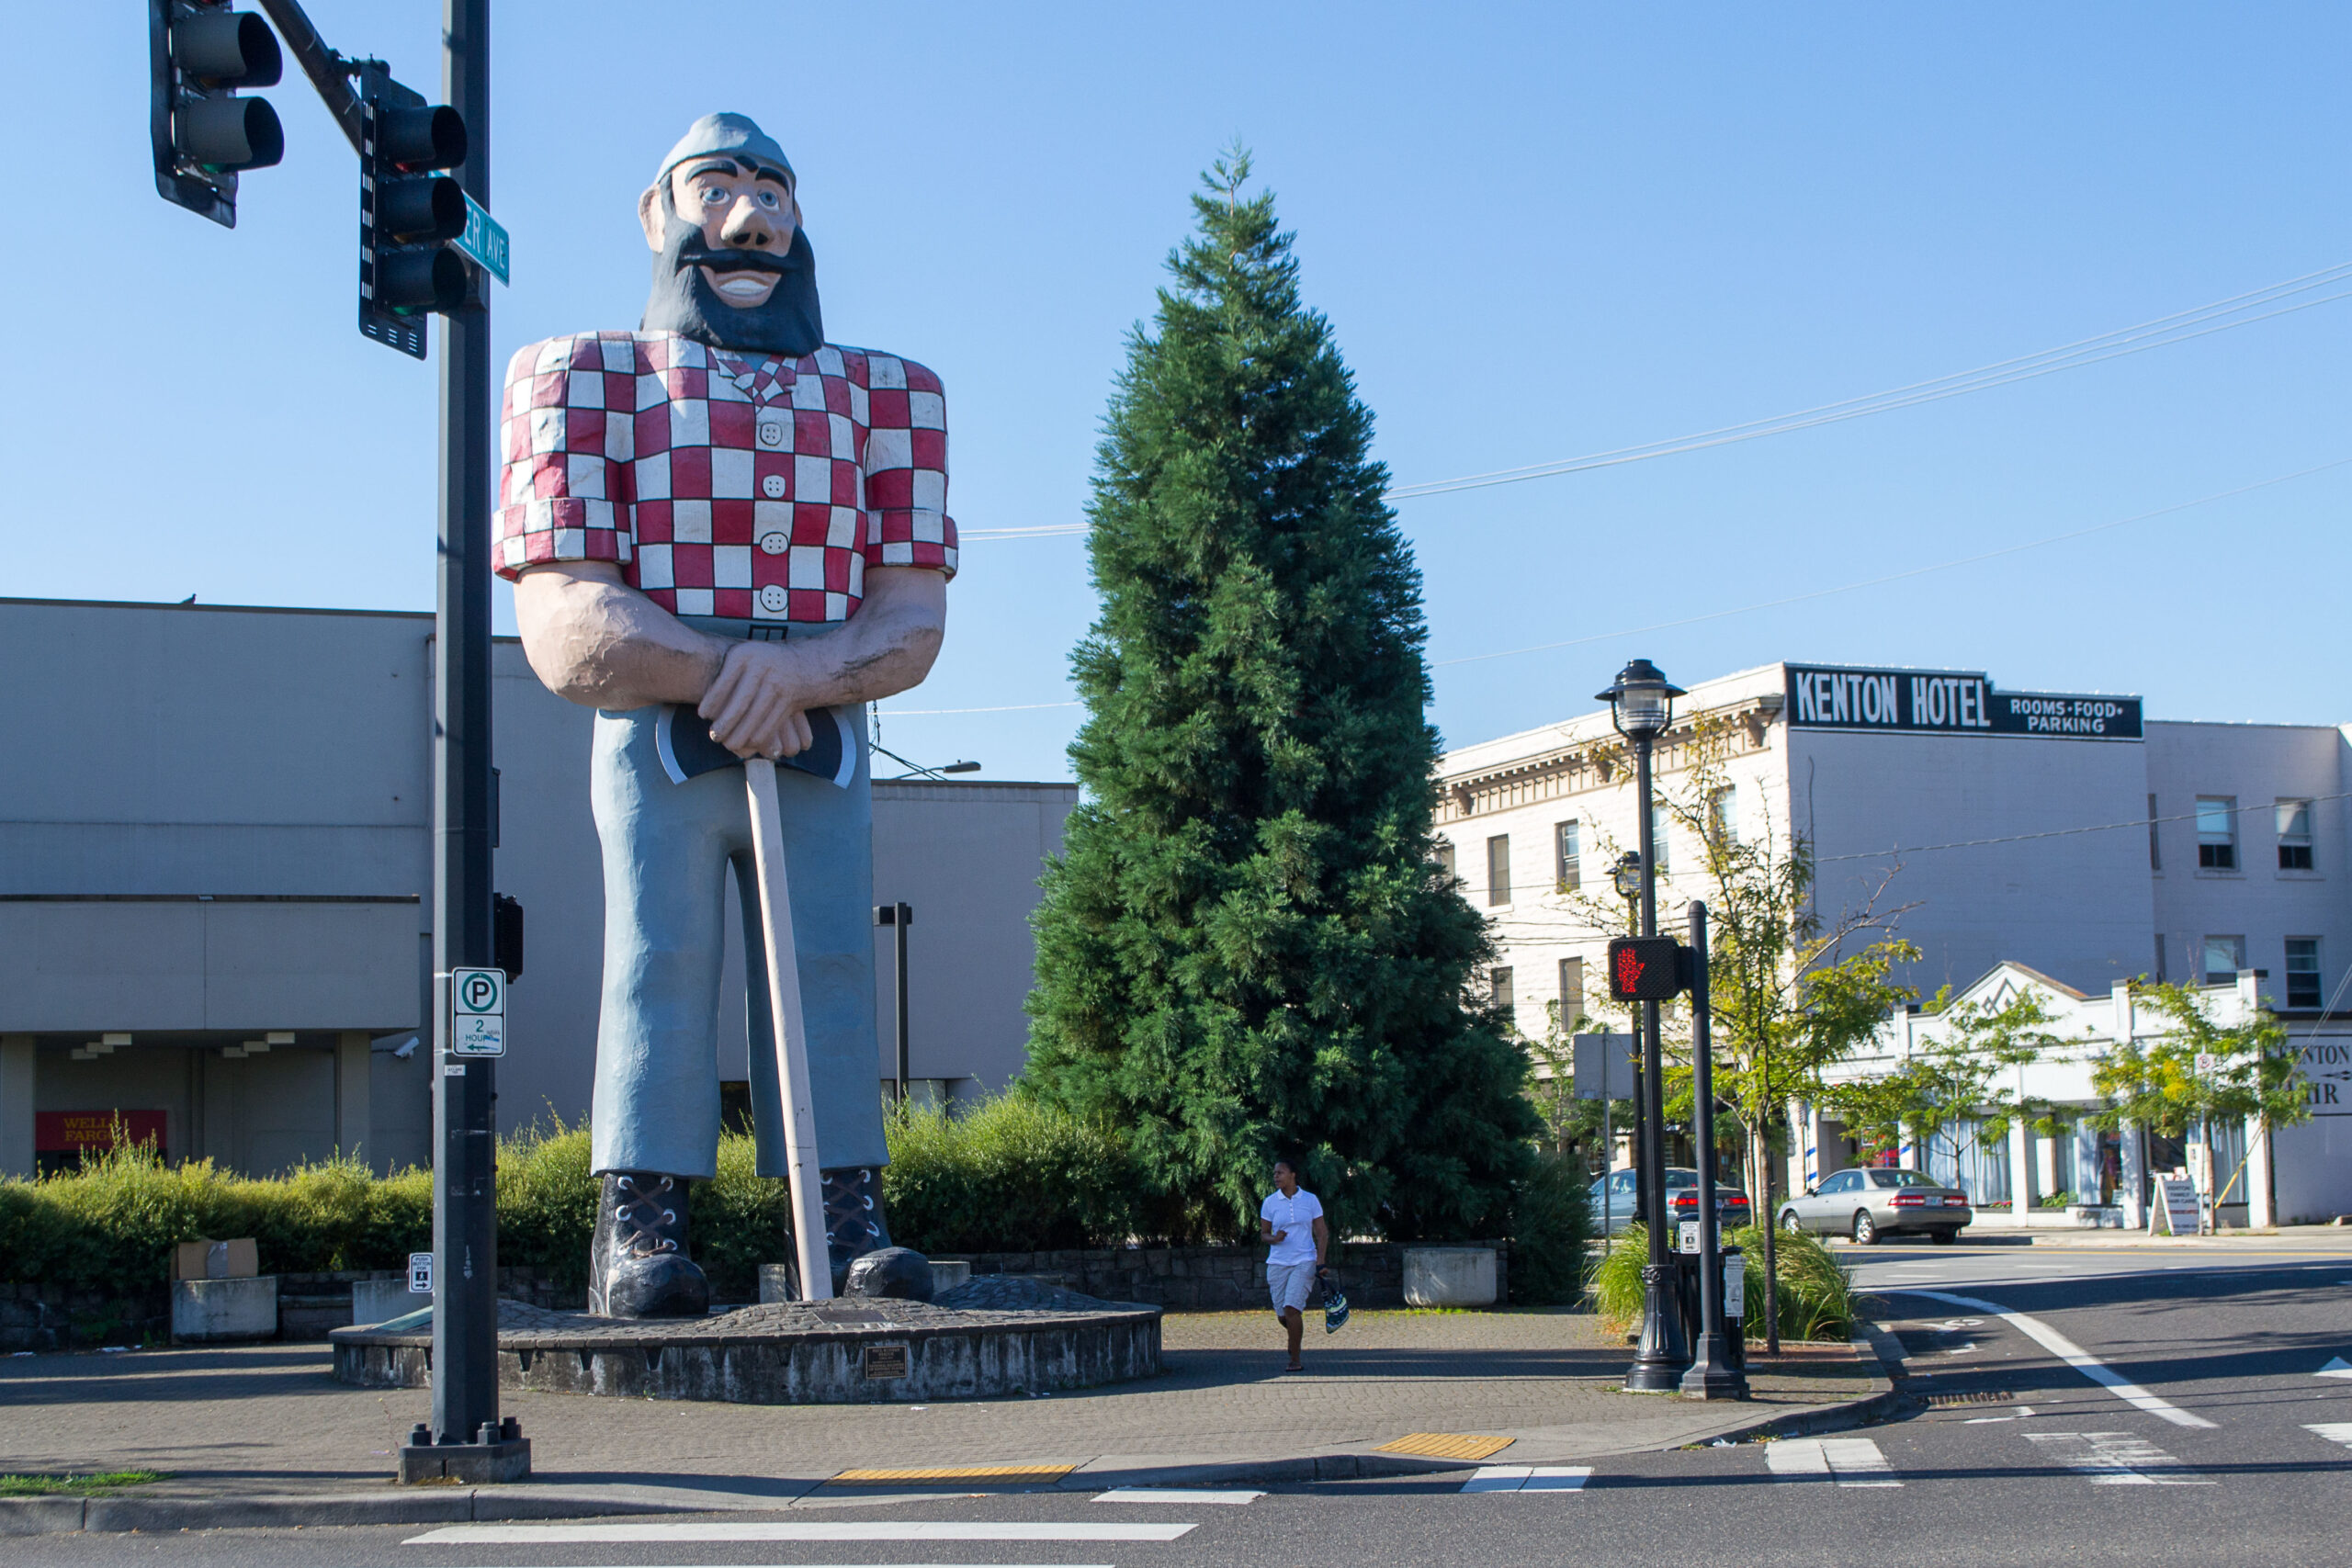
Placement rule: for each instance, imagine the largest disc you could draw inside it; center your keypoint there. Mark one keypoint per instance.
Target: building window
(2155, 857)
(1499, 869)
(2217, 833)
(1499, 990)
(1723, 816)
(2224, 956)
(2160, 958)
(1570, 852)
(1445, 859)
(1659, 816)
(2302, 972)
(1572, 990)
(2294, 835)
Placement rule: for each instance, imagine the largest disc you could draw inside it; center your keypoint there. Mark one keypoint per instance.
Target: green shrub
(1013, 1175)
(1551, 1227)
(1817, 1298)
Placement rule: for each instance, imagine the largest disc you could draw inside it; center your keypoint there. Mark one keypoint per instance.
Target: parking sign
(477, 1012)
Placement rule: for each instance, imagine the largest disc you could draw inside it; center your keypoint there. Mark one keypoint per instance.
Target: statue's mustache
(694, 253)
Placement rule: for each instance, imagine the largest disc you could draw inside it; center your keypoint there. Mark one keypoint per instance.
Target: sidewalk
(264, 1434)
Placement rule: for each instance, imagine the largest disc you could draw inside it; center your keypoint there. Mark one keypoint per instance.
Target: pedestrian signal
(1645, 968)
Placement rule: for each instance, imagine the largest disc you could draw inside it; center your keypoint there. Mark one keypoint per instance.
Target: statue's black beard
(683, 301)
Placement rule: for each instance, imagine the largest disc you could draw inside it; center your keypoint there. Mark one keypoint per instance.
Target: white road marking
(1528, 1478)
(2116, 1458)
(2073, 1356)
(2334, 1431)
(2023, 1412)
(2337, 1367)
(790, 1529)
(1177, 1494)
(1852, 1461)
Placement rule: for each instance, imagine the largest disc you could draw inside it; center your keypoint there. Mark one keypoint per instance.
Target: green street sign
(483, 242)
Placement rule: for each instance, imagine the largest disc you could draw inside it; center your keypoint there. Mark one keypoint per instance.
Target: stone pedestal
(1450, 1276)
(210, 1310)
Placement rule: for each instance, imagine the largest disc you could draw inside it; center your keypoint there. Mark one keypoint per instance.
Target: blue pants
(667, 846)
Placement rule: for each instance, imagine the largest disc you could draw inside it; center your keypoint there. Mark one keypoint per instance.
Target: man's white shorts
(1290, 1284)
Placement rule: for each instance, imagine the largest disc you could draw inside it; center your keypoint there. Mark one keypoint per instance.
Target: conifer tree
(1247, 948)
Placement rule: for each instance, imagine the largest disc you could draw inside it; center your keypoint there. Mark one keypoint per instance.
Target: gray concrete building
(215, 889)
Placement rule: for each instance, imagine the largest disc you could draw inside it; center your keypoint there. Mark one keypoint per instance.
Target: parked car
(1682, 1201)
(1868, 1203)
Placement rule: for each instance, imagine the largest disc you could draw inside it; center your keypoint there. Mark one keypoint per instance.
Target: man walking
(1291, 1223)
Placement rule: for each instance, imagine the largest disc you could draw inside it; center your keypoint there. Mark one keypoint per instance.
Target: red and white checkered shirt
(757, 488)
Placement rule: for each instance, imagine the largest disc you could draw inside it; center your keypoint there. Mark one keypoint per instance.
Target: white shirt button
(772, 598)
(775, 543)
(771, 433)
(773, 486)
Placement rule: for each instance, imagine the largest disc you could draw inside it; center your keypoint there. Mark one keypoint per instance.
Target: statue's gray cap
(726, 136)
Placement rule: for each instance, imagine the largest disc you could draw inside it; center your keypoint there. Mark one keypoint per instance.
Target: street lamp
(1641, 704)
(1628, 878)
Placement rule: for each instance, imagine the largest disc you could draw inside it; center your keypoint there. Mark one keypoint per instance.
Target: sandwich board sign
(477, 1012)
(2175, 1206)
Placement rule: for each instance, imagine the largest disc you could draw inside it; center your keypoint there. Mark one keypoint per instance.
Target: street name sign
(477, 1012)
(484, 241)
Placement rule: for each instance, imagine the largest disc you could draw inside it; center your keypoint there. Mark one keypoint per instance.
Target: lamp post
(1641, 704)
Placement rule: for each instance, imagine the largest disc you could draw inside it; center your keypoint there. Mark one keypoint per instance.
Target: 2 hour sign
(1941, 702)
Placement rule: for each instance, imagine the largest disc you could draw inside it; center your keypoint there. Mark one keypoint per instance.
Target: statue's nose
(747, 227)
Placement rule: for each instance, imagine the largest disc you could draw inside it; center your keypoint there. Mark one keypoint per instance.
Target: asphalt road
(2181, 1431)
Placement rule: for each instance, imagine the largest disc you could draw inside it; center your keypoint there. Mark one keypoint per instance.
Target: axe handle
(791, 1032)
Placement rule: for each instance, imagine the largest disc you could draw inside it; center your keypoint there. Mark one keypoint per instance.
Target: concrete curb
(471, 1505)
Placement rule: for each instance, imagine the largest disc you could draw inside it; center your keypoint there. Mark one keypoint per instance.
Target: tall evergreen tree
(1247, 947)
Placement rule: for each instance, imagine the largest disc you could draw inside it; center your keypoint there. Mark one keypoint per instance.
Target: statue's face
(740, 207)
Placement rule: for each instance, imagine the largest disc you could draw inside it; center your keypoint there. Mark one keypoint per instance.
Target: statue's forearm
(601, 644)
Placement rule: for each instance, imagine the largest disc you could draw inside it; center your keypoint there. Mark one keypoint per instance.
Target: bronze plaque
(885, 1360)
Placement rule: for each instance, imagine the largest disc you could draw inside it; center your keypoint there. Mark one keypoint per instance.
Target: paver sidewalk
(271, 1419)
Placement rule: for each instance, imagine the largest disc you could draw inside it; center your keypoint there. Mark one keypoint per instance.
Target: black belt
(738, 630)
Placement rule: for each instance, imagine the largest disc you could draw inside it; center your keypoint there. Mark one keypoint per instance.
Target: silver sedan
(1867, 1203)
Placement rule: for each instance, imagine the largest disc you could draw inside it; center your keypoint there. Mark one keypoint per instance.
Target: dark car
(1868, 1203)
(1682, 1201)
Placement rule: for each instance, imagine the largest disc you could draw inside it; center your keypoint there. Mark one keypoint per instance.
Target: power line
(1897, 576)
(2161, 333)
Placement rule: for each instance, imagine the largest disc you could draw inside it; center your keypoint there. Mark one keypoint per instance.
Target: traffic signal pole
(1712, 1374)
(465, 1172)
(1659, 1362)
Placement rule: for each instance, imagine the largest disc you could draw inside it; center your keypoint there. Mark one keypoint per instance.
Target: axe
(682, 739)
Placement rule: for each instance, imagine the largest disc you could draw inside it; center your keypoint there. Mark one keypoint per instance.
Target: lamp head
(1641, 704)
(1627, 876)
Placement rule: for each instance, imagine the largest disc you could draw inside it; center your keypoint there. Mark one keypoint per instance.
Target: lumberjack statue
(722, 520)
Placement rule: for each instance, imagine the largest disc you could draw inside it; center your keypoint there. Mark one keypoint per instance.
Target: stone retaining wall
(1213, 1279)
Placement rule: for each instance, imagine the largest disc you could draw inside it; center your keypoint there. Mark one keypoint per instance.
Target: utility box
(211, 1311)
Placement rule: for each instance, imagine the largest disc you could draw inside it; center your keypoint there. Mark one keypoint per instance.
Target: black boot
(853, 1224)
(638, 1265)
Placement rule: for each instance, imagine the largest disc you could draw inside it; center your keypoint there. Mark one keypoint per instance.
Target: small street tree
(1247, 946)
(2199, 1072)
(1794, 991)
(1959, 1087)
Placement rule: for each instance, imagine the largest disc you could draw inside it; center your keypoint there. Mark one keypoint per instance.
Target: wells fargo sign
(69, 1132)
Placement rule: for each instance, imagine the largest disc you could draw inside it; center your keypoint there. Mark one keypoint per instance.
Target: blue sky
(1539, 231)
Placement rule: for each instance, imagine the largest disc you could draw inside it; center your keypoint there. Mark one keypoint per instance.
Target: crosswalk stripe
(794, 1529)
(1850, 1462)
(2116, 1458)
(2334, 1431)
(1177, 1494)
(2073, 1355)
(1528, 1478)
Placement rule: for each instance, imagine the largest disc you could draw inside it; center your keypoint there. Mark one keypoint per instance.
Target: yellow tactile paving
(991, 1473)
(1447, 1445)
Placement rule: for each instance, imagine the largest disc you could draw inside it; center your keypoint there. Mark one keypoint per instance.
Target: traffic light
(409, 213)
(1646, 968)
(199, 52)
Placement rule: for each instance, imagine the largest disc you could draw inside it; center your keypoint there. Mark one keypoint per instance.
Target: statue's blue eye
(770, 200)
(714, 196)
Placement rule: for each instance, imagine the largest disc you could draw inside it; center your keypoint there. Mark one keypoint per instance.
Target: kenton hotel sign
(1937, 702)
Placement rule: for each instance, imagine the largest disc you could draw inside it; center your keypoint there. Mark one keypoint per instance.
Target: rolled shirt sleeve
(906, 467)
(566, 438)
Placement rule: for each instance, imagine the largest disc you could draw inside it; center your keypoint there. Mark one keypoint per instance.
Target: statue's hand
(755, 708)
